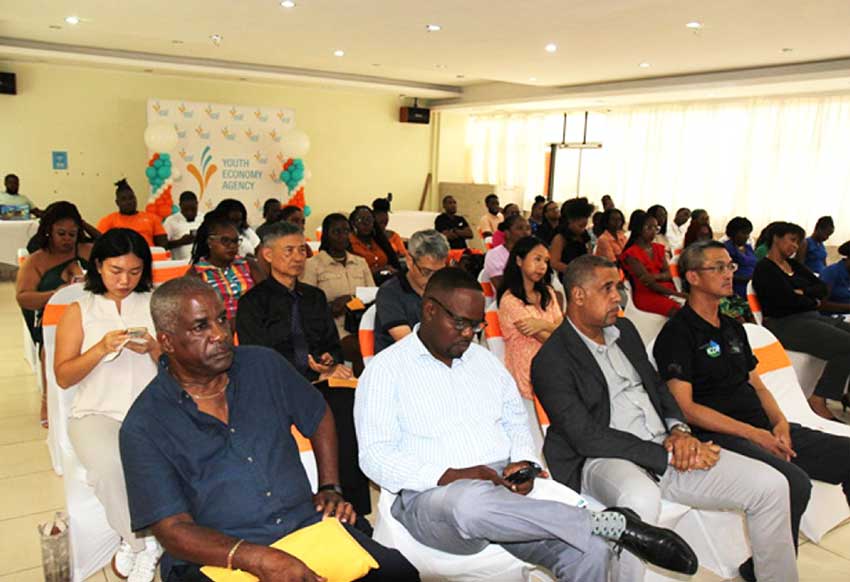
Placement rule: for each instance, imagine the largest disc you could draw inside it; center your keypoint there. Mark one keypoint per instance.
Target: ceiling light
(339, 53)
(694, 25)
(787, 50)
(288, 4)
(176, 41)
(459, 76)
(644, 65)
(532, 79)
(551, 47)
(72, 19)
(433, 27)
(439, 66)
(216, 39)
(55, 27)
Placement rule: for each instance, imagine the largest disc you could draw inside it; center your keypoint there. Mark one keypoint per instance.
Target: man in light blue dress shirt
(441, 423)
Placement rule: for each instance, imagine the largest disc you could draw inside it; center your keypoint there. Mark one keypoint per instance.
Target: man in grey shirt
(618, 435)
(399, 300)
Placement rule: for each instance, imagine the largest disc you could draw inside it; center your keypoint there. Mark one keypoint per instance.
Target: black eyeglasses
(426, 272)
(720, 268)
(225, 240)
(461, 323)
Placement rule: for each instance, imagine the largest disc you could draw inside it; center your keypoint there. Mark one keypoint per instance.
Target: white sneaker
(144, 569)
(123, 560)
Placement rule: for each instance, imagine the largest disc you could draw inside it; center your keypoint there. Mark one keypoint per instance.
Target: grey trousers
(466, 516)
(824, 337)
(95, 441)
(736, 482)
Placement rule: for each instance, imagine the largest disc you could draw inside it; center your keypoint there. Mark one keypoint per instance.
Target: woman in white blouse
(105, 347)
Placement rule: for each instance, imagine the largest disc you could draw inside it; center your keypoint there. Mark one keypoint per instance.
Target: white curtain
(766, 159)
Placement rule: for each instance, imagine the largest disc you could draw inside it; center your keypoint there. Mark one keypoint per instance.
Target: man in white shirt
(181, 227)
(440, 422)
(11, 197)
(678, 227)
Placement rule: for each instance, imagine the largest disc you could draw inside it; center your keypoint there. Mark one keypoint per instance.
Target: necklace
(211, 396)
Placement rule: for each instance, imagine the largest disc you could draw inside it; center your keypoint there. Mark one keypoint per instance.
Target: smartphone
(137, 331)
(524, 475)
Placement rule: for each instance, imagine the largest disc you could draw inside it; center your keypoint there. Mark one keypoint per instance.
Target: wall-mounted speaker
(7, 84)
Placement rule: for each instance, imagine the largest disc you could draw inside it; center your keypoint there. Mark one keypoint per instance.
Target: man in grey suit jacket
(617, 433)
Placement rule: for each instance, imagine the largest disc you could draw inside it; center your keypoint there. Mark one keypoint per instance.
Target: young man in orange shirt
(146, 224)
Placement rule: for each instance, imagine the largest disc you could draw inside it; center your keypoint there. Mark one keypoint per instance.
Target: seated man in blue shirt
(440, 422)
(211, 465)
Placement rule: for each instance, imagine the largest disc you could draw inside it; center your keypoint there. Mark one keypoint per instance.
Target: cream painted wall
(359, 149)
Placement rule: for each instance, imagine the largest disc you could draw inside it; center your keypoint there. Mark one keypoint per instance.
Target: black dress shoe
(747, 571)
(656, 545)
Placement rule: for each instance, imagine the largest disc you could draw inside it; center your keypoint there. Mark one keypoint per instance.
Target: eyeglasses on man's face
(720, 268)
(461, 323)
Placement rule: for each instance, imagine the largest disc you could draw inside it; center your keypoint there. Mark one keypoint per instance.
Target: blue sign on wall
(60, 160)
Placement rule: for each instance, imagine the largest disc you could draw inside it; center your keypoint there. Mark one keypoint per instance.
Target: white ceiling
(482, 40)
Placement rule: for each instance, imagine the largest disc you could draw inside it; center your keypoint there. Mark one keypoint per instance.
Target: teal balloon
(164, 172)
(175, 209)
(164, 156)
(166, 163)
(282, 177)
(286, 176)
(307, 211)
(157, 163)
(150, 172)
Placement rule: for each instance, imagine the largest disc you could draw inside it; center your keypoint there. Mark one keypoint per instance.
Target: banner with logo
(224, 151)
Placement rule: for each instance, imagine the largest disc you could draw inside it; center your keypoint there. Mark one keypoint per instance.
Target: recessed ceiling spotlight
(694, 25)
(459, 76)
(433, 27)
(532, 79)
(787, 50)
(339, 53)
(216, 39)
(439, 66)
(644, 65)
(551, 47)
(288, 4)
(176, 41)
(72, 19)
(55, 27)
(376, 64)
(149, 70)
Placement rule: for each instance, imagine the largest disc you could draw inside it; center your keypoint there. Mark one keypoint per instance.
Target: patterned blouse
(230, 284)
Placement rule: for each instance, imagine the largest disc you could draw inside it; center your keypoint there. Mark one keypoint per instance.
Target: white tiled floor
(30, 492)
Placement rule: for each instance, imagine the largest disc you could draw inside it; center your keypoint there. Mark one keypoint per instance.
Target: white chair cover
(366, 335)
(93, 541)
(647, 324)
(828, 506)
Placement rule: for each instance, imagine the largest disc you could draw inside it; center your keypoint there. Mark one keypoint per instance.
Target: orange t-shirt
(144, 223)
(375, 256)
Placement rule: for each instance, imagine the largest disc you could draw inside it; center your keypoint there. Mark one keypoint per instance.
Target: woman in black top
(572, 240)
(549, 226)
(791, 296)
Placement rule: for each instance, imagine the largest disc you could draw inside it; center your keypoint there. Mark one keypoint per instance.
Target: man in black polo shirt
(294, 319)
(209, 459)
(710, 369)
(398, 304)
(452, 225)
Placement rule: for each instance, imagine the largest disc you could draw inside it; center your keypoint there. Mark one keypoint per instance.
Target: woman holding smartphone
(61, 259)
(105, 347)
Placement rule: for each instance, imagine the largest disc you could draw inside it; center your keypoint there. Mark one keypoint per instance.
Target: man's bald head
(168, 300)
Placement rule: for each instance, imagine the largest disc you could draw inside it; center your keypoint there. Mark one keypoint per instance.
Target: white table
(406, 222)
(14, 235)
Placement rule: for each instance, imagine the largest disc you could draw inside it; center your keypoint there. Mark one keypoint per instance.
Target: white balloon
(161, 137)
(175, 174)
(294, 144)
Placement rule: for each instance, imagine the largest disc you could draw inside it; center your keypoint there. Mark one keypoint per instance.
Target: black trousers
(821, 456)
(355, 485)
(824, 337)
(393, 566)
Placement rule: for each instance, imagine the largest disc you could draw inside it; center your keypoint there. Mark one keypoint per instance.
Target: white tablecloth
(406, 222)
(14, 235)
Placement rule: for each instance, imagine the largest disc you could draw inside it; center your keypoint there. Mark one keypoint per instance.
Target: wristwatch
(682, 427)
(331, 487)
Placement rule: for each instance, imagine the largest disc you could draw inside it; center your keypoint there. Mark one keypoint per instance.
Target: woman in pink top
(528, 308)
(612, 241)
